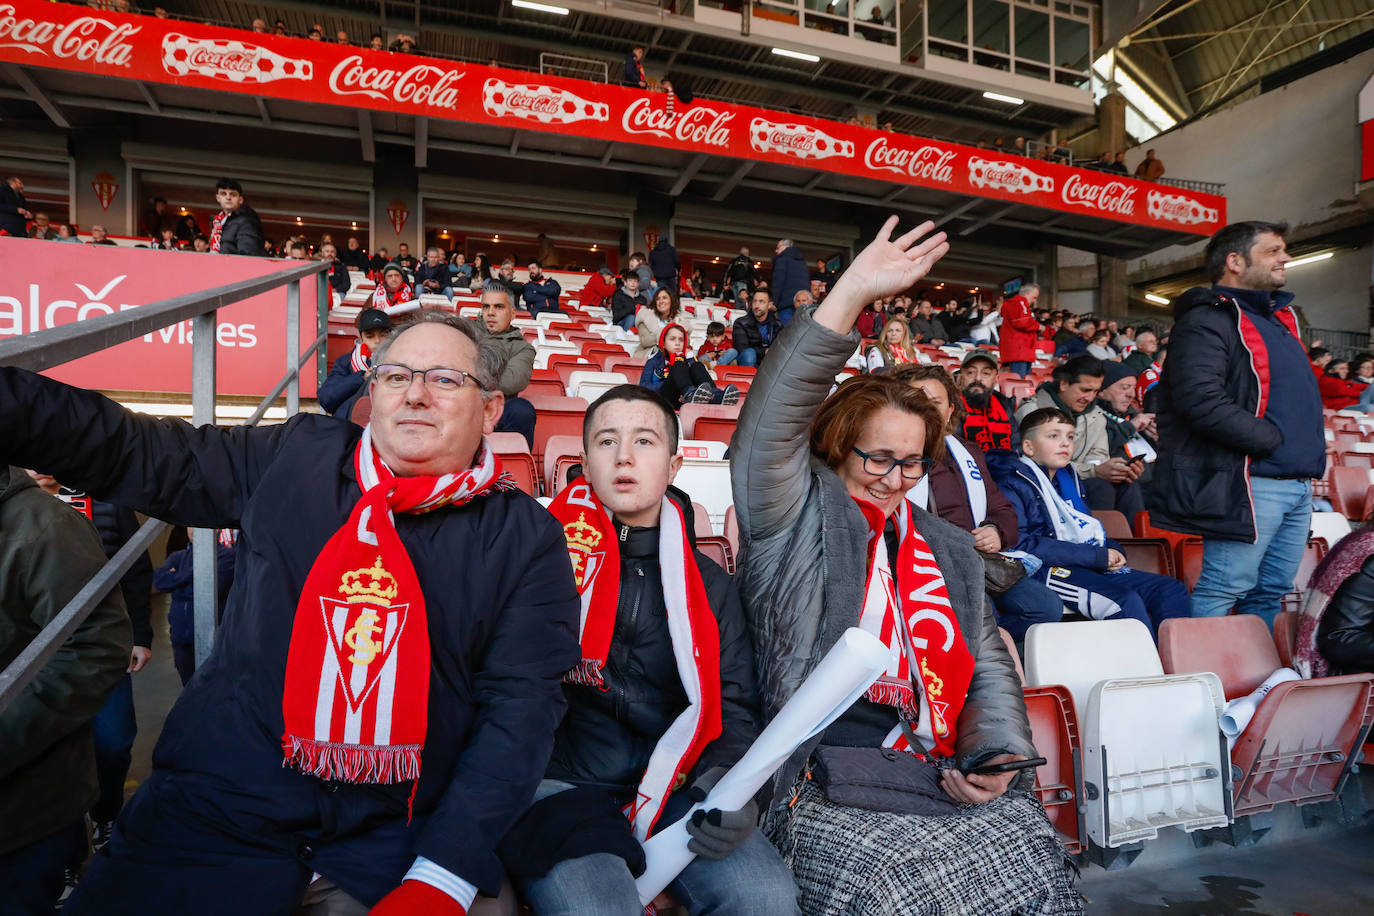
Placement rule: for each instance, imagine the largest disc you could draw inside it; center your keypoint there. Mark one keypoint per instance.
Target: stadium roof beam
(989, 218)
(38, 96)
(729, 184)
(688, 174)
(262, 110)
(957, 212)
(148, 96)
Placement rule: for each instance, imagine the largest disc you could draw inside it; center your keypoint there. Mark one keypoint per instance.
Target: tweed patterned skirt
(998, 859)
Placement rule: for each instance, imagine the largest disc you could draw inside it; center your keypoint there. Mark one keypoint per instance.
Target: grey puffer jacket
(803, 555)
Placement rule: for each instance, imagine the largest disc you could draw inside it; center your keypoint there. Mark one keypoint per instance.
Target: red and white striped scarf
(921, 632)
(217, 229)
(391, 303)
(355, 701)
(595, 553)
(360, 360)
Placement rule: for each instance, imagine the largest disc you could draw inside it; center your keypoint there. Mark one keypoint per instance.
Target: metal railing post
(322, 303)
(205, 588)
(293, 347)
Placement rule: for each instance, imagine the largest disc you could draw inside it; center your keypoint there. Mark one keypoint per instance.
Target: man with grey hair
(790, 276)
(380, 702)
(498, 311)
(99, 236)
(433, 275)
(42, 227)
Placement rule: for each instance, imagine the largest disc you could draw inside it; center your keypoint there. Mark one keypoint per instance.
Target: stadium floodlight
(999, 97)
(1309, 259)
(796, 55)
(540, 7)
(1157, 300)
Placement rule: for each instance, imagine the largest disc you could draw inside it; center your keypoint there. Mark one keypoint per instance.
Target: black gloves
(716, 833)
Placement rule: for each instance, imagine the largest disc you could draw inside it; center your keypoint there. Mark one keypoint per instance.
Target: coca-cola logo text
(237, 61)
(700, 124)
(928, 163)
(422, 84)
(87, 38)
(1109, 197)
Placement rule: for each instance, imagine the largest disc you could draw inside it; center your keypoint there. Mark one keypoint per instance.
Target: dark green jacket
(48, 551)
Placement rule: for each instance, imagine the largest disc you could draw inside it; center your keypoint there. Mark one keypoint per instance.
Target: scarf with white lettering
(595, 553)
(391, 303)
(355, 701)
(974, 484)
(1069, 524)
(360, 360)
(217, 229)
(921, 631)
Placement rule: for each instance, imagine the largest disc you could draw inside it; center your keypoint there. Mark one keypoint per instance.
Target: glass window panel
(949, 20)
(1032, 35)
(991, 26)
(1070, 43)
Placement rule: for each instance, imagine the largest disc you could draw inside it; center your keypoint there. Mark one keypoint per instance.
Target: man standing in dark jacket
(663, 702)
(754, 333)
(14, 213)
(739, 276)
(664, 263)
(1240, 426)
(47, 769)
(790, 276)
(633, 71)
(397, 553)
(236, 228)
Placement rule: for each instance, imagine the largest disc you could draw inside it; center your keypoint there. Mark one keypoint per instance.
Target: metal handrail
(54, 346)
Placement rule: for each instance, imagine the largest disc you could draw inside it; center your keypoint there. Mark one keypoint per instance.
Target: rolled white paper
(851, 665)
(1238, 713)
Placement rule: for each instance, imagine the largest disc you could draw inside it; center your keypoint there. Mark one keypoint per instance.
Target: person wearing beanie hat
(679, 378)
(1130, 433)
(393, 293)
(348, 375)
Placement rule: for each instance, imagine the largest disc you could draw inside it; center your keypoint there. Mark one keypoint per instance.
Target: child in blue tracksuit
(174, 576)
(1082, 565)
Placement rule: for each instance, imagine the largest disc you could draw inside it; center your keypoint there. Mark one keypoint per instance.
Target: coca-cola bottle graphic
(227, 59)
(800, 140)
(1178, 208)
(1007, 176)
(537, 102)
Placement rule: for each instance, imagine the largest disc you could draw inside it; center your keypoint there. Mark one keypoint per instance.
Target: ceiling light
(298, 221)
(355, 224)
(999, 97)
(795, 55)
(1157, 300)
(1309, 259)
(539, 7)
(496, 238)
(593, 248)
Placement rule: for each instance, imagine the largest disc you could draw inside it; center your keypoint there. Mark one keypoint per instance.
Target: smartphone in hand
(993, 769)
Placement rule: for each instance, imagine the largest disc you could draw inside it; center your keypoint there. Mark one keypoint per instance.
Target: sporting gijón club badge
(363, 628)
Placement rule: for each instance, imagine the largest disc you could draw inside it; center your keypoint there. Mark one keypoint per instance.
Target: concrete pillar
(1111, 286)
(1111, 272)
(1111, 123)
(396, 201)
(653, 217)
(103, 192)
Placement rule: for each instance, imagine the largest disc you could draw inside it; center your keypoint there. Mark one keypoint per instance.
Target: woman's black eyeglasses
(882, 465)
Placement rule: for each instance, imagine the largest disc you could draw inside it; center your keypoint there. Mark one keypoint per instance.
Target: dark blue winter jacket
(1037, 529)
(790, 276)
(542, 295)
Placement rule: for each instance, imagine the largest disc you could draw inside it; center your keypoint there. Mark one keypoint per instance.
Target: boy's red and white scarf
(595, 553)
(389, 303)
(360, 360)
(355, 701)
(921, 632)
(217, 229)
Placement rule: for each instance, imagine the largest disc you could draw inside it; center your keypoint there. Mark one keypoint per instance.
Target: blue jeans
(627, 323)
(728, 358)
(751, 881)
(1367, 399)
(446, 291)
(785, 314)
(32, 876)
(1253, 578)
(518, 417)
(1025, 604)
(749, 356)
(1019, 367)
(115, 729)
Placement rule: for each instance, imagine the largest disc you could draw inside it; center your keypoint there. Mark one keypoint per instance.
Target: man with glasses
(380, 702)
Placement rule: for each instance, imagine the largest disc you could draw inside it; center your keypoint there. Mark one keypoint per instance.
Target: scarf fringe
(355, 763)
(587, 673)
(901, 696)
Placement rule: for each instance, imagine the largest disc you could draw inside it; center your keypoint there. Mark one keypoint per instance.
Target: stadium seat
(632, 367)
(516, 459)
(1144, 529)
(707, 482)
(552, 387)
(1059, 783)
(555, 416)
(717, 548)
(1301, 743)
(1113, 523)
(590, 385)
(690, 413)
(702, 448)
(1348, 488)
(720, 429)
(362, 411)
(727, 374)
(1141, 770)
(1152, 555)
(1190, 561)
(701, 521)
(1286, 636)
(732, 535)
(1329, 527)
(561, 452)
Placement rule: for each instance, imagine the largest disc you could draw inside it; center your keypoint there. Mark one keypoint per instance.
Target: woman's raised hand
(887, 266)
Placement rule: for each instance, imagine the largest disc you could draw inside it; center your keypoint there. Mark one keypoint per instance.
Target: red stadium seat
(701, 521)
(565, 359)
(632, 367)
(732, 529)
(1348, 489)
(1301, 743)
(1144, 529)
(717, 548)
(1114, 523)
(556, 416)
(1286, 636)
(1349, 459)
(690, 413)
(362, 411)
(1190, 561)
(516, 459)
(551, 387)
(718, 429)
(1149, 555)
(561, 452)
(730, 373)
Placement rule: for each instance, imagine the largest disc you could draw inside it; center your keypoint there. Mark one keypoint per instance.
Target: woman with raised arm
(829, 541)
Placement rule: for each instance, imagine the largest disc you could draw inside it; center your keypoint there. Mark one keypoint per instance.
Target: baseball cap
(373, 320)
(977, 354)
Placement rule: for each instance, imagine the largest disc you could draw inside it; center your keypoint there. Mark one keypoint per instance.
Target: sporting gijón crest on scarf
(355, 701)
(921, 632)
(595, 553)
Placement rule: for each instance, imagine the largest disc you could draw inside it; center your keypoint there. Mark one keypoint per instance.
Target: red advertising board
(48, 284)
(68, 37)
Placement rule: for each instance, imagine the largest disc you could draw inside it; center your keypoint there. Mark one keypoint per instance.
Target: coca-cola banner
(68, 37)
(62, 284)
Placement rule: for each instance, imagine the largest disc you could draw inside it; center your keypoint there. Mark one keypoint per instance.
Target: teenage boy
(627, 302)
(1085, 567)
(663, 701)
(715, 351)
(349, 373)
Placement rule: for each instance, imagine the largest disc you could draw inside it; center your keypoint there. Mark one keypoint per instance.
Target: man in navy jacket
(222, 826)
(790, 276)
(541, 293)
(1240, 426)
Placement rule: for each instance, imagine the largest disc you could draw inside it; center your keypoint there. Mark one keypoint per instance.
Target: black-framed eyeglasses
(882, 465)
(439, 380)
